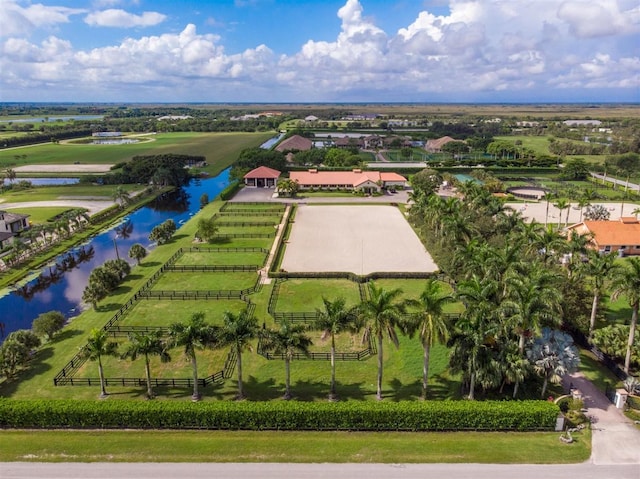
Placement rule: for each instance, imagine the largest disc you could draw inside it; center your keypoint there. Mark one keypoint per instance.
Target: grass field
(220, 150)
(60, 192)
(298, 447)
(41, 215)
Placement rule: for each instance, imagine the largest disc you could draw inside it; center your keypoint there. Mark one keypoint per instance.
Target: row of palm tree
(237, 331)
(509, 276)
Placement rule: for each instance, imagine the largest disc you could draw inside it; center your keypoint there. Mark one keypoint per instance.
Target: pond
(59, 286)
(46, 181)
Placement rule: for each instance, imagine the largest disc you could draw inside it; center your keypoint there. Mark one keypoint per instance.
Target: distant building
(295, 142)
(582, 122)
(174, 117)
(622, 235)
(435, 146)
(10, 225)
(311, 118)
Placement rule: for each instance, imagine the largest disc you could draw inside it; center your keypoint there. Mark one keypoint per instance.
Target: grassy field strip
(308, 447)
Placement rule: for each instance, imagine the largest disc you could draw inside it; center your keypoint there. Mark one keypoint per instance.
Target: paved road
(632, 186)
(312, 471)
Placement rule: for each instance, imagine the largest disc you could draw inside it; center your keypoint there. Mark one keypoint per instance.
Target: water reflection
(60, 286)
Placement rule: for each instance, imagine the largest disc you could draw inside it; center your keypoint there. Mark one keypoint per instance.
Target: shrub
(357, 416)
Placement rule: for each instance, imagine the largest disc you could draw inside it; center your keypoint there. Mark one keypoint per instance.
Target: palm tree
(334, 319)
(562, 204)
(553, 355)
(288, 340)
(430, 323)
(531, 299)
(599, 267)
(474, 329)
(237, 331)
(195, 334)
(147, 344)
(10, 174)
(636, 212)
(382, 312)
(121, 196)
(626, 282)
(549, 196)
(137, 252)
(98, 345)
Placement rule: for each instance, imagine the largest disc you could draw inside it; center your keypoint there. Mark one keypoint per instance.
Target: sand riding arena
(356, 239)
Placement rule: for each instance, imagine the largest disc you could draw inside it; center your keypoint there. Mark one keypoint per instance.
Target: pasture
(220, 150)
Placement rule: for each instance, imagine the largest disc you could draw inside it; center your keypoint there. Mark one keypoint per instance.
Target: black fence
(195, 294)
(142, 382)
(214, 268)
(240, 213)
(244, 224)
(361, 355)
(207, 249)
(244, 235)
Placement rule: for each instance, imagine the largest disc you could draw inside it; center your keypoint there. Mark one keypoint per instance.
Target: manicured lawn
(60, 192)
(220, 149)
(206, 281)
(300, 295)
(152, 312)
(598, 374)
(299, 447)
(221, 258)
(41, 215)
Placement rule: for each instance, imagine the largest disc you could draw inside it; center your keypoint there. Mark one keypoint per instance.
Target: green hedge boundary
(273, 415)
(230, 191)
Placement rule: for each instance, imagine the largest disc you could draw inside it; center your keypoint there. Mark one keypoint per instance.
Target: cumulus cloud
(114, 17)
(18, 20)
(480, 47)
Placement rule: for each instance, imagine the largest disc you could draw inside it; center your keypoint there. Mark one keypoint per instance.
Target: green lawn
(287, 446)
(220, 150)
(154, 312)
(221, 258)
(300, 295)
(60, 192)
(206, 281)
(42, 214)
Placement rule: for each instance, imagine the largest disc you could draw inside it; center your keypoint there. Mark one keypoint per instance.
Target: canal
(59, 287)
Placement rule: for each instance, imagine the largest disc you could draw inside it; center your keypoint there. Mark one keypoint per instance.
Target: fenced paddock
(357, 239)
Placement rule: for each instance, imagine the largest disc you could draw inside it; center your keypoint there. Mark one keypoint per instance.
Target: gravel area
(358, 239)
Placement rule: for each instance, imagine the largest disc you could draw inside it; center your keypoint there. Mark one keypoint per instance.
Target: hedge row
(230, 191)
(280, 415)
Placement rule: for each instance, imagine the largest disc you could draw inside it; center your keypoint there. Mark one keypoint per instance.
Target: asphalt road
(312, 471)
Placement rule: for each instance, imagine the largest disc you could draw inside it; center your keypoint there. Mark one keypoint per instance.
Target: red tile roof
(263, 172)
(295, 142)
(353, 178)
(624, 232)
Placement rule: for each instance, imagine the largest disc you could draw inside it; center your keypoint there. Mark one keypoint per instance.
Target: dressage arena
(356, 239)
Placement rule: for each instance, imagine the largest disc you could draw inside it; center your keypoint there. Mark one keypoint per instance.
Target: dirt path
(94, 206)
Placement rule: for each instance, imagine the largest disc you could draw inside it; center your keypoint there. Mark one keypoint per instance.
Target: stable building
(366, 181)
(262, 177)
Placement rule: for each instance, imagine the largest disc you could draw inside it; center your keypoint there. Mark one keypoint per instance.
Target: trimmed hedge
(230, 191)
(281, 415)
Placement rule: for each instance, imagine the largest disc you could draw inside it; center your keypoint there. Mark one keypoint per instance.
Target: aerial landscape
(319, 238)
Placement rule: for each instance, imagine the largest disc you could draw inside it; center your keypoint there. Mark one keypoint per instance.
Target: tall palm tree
(636, 212)
(626, 282)
(335, 318)
(599, 267)
(429, 323)
(238, 331)
(562, 204)
(288, 340)
(382, 311)
(531, 300)
(194, 334)
(474, 329)
(98, 345)
(147, 344)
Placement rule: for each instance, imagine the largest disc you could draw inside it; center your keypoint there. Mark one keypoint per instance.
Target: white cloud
(120, 18)
(17, 20)
(480, 48)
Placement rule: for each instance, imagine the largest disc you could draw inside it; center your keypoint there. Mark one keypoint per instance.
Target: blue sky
(320, 50)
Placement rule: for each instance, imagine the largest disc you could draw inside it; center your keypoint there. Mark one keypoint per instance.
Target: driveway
(615, 439)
